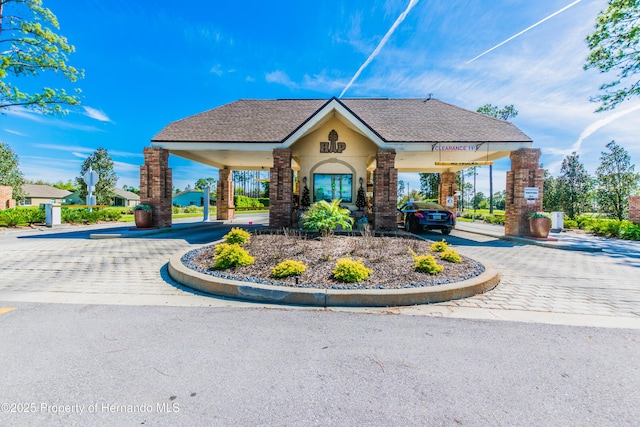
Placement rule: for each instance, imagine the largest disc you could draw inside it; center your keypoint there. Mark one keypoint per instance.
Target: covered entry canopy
(243, 134)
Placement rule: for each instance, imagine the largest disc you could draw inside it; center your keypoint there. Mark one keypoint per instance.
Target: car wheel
(446, 231)
(407, 225)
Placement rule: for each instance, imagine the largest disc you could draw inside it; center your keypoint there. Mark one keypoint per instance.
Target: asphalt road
(65, 364)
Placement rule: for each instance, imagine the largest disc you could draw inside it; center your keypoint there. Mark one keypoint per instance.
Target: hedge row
(33, 215)
(250, 202)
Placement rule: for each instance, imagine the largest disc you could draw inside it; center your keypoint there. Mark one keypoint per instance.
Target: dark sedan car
(416, 216)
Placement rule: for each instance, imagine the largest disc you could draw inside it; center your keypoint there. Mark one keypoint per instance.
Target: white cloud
(280, 77)
(49, 120)
(96, 114)
(85, 151)
(15, 132)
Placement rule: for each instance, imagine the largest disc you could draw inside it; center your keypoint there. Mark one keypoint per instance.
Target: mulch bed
(387, 256)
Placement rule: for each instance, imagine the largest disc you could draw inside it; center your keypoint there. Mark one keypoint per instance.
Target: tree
(10, 172)
(413, 194)
(202, 183)
(477, 200)
(507, 112)
(429, 185)
(401, 187)
(29, 46)
(575, 186)
(500, 199)
(102, 164)
(132, 189)
(551, 194)
(615, 45)
(616, 180)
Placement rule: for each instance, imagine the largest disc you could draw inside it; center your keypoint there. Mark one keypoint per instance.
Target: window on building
(333, 186)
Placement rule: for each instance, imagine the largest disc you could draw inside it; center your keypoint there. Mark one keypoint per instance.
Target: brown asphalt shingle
(395, 120)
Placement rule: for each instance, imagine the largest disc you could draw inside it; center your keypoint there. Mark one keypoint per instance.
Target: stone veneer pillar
(385, 190)
(225, 208)
(6, 197)
(447, 188)
(281, 189)
(525, 172)
(634, 209)
(156, 185)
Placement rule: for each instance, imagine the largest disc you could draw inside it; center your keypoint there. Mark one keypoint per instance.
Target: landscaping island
(391, 259)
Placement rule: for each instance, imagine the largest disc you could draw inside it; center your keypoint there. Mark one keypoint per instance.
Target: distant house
(35, 194)
(125, 198)
(122, 198)
(191, 198)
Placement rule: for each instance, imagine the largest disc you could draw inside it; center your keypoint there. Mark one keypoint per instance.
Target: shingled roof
(394, 120)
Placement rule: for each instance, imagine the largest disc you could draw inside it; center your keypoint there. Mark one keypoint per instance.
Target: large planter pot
(540, 227)
(142, 218)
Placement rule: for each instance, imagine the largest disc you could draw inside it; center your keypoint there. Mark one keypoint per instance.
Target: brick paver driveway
(66, 266)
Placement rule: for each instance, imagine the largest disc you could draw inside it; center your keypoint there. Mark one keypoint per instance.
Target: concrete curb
(330, 297)
(141, 233)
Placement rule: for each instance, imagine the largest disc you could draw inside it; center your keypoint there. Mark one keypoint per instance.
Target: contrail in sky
(591, 129)
(524, 31)
(381, 45)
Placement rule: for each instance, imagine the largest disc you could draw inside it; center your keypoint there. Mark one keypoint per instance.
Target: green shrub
(237, 236)
(439, 246)
(584, 221)
(175, 210)
(471, 214)
(451, 255)
(35, 216)
(326, 217)
(425, 263)
(192, 209)
(604, 227)
(246, 202)
(494, 219)
(142, 207)
(288, 268)
(350, 271)
(13, 217)
(539, 214)
(570, 223)
(227, 256)
(264, 201)
(629, 231)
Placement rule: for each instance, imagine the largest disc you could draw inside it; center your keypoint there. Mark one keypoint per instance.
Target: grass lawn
(479, 212)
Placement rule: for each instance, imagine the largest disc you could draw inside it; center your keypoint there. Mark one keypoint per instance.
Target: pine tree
(361, 200)
(306, 200)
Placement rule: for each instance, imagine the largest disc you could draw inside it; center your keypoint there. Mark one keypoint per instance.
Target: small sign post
(531, 192)
(91, 179)
(449, 201)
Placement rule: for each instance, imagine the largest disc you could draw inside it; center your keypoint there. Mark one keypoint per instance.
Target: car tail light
(419, 215)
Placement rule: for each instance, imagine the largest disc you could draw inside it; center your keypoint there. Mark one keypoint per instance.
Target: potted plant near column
(540, 224)
(142, 216)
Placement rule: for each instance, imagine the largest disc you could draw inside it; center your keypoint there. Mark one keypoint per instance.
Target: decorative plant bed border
(318, 297)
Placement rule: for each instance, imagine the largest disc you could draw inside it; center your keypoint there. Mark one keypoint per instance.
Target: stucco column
(156, 185)
(225, 208)
(281, 189)
(447, 188)
(385, 190)
(525, 172)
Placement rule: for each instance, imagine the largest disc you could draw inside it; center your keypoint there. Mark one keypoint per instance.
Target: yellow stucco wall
(359, 152)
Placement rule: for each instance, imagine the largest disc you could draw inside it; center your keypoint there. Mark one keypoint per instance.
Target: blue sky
(150, 63)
